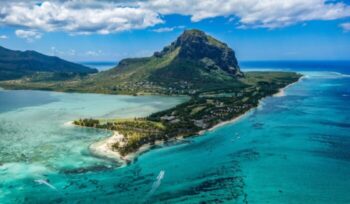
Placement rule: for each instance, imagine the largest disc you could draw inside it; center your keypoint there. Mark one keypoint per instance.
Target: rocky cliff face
(195, 45)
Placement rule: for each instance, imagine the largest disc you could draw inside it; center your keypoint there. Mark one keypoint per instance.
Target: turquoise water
(291, 149)
(36, 139)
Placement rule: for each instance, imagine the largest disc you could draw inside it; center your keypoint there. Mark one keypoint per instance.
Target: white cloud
(254, 13)
(77, 16)
(94, 53)
(57, 52)
(108, 16)
(63, 53)
(345, 27)
(162, 30)
(71, 52)
(167, 29)
(29, 35)
(3, 37)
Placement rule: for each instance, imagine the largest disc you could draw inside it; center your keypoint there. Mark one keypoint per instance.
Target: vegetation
(195, 64)
(16, 64)
(205, 110)
(136, 132)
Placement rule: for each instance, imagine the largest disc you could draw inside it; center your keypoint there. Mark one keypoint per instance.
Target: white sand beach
(104, 148)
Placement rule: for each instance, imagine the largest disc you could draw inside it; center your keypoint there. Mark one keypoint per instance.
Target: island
(196, 65)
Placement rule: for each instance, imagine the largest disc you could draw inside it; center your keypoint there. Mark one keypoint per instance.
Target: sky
(110, 30)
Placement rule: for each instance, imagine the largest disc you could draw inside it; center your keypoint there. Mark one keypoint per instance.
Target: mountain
(209, 54)
(16, 64)
(193, 60)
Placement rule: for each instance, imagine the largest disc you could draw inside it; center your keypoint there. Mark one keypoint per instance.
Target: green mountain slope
(192, 62)
(16, 64)
(194, 57)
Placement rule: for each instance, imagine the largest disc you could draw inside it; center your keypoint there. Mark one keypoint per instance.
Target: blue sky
(113, 30)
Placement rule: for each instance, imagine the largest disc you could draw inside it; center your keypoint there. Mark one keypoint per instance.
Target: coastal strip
(223, 123)
(104, 148)
(282, 92)
(204, 112)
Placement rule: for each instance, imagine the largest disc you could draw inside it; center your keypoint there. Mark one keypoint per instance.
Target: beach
(282, 92)
(104, 148)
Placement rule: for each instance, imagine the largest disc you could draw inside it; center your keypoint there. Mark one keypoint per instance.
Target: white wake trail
(46, 183)
(157, 183)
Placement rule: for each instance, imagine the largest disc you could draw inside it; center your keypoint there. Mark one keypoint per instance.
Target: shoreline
(103, 148)
(223, 123)
(282, 91)
(68, 124)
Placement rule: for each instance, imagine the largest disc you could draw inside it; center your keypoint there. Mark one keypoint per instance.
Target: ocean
(294, 148)
(100, 66)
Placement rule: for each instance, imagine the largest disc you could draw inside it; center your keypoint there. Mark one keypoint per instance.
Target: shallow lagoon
(37, 139)
(291, 149)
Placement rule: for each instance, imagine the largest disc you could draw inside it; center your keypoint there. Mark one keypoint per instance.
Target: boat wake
(46, 183)
(157, 183)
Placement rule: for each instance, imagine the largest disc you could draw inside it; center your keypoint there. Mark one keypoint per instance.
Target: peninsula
(195, 64)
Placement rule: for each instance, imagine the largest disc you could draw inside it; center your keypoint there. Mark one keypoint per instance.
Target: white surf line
(324, 74)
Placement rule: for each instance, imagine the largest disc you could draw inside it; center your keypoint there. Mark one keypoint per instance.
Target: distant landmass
(16, 64)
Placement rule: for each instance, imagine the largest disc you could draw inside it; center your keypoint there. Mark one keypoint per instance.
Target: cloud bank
(77, 16)
(29, 35)
(167, 29)
(105, 17)
(345, 27)
(254, 13)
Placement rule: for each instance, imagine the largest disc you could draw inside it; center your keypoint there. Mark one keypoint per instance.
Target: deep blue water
(291, 149)
(335, 66)
(101, 66)
(10, 100)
